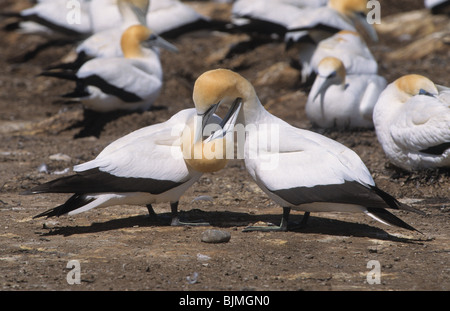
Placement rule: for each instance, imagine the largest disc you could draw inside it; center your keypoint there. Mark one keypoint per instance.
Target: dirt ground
(120, 248)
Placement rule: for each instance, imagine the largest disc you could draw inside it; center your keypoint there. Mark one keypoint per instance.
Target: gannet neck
(205, 157)
(133, 11)
(131, 41)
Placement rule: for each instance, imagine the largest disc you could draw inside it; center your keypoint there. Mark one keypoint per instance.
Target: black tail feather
(390, 218)
(74, 202)
(74, 65)
(65, 74)
(394, 203)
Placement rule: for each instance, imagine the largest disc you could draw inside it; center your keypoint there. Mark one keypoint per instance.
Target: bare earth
(120, 248)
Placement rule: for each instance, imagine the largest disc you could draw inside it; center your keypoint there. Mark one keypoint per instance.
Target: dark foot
(176, 221)
(283, 227)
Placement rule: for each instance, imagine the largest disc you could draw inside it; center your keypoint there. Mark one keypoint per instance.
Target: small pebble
(215, 236)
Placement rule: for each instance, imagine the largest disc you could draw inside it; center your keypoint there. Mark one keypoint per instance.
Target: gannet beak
(202, 121)
(361, 19)
(156, 40)
(227, 124)
(321, 82)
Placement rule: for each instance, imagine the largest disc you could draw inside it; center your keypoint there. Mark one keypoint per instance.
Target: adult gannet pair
(297, 168)
(154, 164)
(341, 100)
(312, 173)
(129, 82)
(346, 45)
(412, 122)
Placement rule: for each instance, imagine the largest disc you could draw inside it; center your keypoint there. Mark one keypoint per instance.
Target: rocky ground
(120, 248)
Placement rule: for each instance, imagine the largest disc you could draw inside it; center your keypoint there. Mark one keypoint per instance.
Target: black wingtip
(394, 203)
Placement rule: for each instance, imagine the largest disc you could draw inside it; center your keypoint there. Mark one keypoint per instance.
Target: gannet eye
(332, 75)
(423, 92)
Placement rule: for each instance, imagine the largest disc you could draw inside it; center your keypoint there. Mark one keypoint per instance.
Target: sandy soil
(120, 248)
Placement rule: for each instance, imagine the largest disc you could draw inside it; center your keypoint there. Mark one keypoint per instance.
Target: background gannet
(412, 122)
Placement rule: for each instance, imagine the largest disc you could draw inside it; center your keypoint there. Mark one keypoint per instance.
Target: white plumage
(412, 122)
(171, 17)
(341, 100)
(50, 17)
(320, 23)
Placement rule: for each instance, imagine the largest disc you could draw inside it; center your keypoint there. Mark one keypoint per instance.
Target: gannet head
(330, 71)
(330, 67)
(218, 86)
(355, 10)
(414, 84)
(139, 35)
(221, 86)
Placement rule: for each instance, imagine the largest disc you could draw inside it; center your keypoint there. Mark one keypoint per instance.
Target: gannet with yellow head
(150, 165)
(129, 82)
(341, 100)
(346, 45)
(307, 172)
(412, 122)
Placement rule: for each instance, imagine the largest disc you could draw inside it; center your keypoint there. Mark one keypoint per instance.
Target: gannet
(340, 100)
(298, 169)
(155, 164)
(412, 122)
(130, 82)
(320, 23)
(346, 45)
(269, 16)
